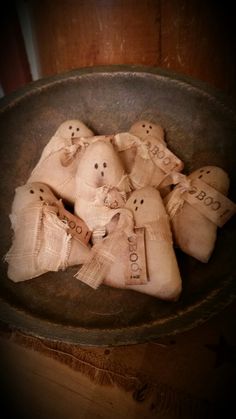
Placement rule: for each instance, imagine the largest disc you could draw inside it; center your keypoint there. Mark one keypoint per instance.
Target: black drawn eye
(104, 164)
(96, 166)
(150, 126)
(70, 127)
(142, 201)
(31, 191)
(77, 129)
(41, 190)
(208, 171)
(135, 201)
(143, 125)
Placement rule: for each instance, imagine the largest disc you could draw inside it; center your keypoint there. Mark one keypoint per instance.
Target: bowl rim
(196, 314)
(21, 93)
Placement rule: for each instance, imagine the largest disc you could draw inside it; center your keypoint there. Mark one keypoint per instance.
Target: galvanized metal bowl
(200, 128)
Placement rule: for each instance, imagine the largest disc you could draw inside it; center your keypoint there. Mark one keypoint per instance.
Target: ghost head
(72, 129)
(32, 193)
(214, 176)
(145, 129)
(100, 165)
(146, 205)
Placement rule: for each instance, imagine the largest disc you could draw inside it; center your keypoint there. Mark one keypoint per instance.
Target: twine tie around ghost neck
(104, 252)
(176, 202)
(96, 195)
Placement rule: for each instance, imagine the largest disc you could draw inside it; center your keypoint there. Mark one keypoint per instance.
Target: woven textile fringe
(56, 242)
(107, 370)
(23, 253)
(104, 252)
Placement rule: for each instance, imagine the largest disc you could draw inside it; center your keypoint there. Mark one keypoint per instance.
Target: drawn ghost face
(213, 176)
(72, 129)
(31, 193)
(100, 165)
(144, 129)
(146, 205)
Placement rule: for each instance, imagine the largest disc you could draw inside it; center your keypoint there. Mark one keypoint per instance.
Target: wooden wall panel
(189, 36)
(80, 33)
(14, 66)
(198, 38)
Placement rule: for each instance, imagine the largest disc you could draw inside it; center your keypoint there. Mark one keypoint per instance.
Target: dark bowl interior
(200, 128)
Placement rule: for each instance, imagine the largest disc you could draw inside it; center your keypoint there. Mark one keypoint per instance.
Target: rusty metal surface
(201, 129)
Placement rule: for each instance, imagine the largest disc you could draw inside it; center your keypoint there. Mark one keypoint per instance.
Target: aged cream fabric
(101, 185)
(104, 252)
(145, 129)
(163, 273)
(145, 155)
(41, 240)
(58, 163)
(138, 133)
(193, 232)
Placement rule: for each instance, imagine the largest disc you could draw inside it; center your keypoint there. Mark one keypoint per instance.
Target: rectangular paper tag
(136, 273)
(76, 227)
(162, 156)
(209, 202)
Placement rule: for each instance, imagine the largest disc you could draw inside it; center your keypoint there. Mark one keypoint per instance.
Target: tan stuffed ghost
(162, 269)
(129, 141)
(42, 241)
(191, 204)
(101, 186)
(58, 163)
(152, 170)
(145, 155)
(146, 129)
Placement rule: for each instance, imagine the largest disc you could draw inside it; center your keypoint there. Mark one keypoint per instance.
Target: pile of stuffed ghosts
(116, 206)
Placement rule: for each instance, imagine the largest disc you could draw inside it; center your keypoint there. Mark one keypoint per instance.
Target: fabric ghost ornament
(194, 233)
(58, 163)
(141, 130)
(146, 157)
(101, 186)
(162, 269)
(146, 129)
(151, 170)
(41, 241)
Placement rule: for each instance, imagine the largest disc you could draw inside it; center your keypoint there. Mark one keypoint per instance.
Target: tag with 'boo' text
(136, 271)
(163, 157)
(209, 202)
(76, 227)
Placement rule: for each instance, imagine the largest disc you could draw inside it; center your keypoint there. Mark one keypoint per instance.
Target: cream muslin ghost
(193, 232)
(58, 163)
(101, 186)
(129, 141)
(145, 155)
(145, 171)
(164, 279)
(41, 240)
